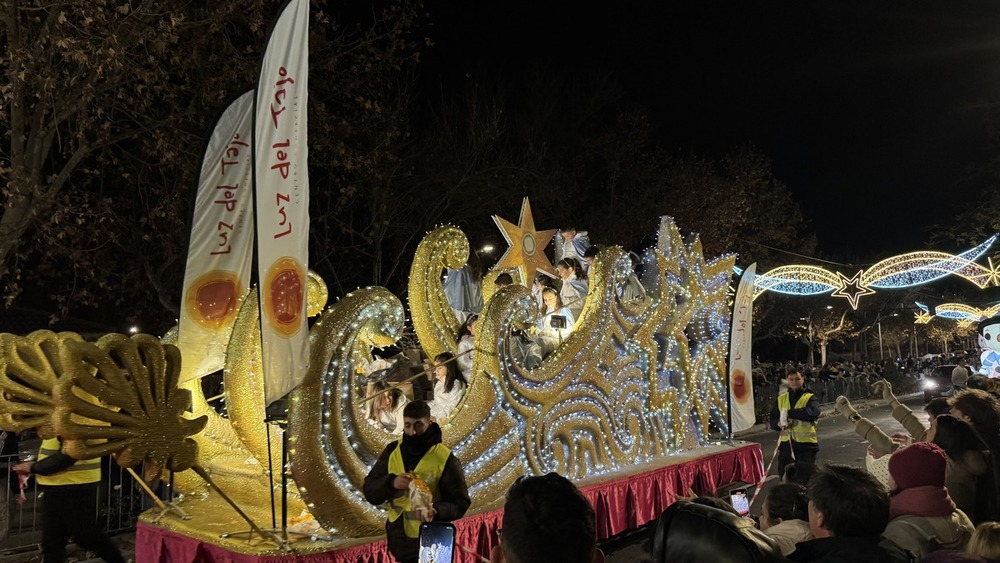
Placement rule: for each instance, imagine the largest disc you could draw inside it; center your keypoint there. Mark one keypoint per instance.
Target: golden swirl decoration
(587, 407)
(316, 294)
(29, 369)
(480, 432)
(138, 412)
(226, 443)
(244, 386)
(433, 320)
(331, 445)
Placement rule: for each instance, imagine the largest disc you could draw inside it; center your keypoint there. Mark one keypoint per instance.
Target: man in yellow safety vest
(418, 454)
(796, 412)
(69, 503)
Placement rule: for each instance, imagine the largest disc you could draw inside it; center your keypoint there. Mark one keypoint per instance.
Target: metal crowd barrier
(827, 391)
(118, 506)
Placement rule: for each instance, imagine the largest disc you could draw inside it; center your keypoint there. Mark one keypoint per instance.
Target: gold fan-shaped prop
(118, 397)
(138, 415)
(29, 369)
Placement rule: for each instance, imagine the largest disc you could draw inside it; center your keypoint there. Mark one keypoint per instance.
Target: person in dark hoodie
(418, 454)
(848, 511)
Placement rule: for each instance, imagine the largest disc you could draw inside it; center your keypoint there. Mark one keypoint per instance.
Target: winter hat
(919, 465)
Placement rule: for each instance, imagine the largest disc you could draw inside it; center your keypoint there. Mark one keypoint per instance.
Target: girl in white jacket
(449, 386)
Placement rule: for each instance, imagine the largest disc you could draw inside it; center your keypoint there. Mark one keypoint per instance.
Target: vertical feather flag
(220, 250)
(740, 360)
(282, 199)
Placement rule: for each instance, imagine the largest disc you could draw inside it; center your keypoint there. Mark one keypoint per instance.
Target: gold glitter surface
(329, 460)
(526, 245)
(220, 449)
(634, 382)
(138, 412)
(433, 320)
(244, 386)
(316, 294)
(29, 369)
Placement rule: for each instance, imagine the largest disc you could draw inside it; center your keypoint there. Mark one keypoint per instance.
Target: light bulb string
(412, 377)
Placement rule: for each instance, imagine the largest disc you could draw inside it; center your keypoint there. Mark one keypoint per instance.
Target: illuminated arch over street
(897, 272)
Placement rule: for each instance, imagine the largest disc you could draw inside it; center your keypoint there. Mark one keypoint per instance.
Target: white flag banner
(740, 363)
(220, 250)
(282, 199)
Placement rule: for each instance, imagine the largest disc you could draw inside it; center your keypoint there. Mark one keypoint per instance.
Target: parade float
(625, 405)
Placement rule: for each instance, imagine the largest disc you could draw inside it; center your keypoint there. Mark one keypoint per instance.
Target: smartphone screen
(437, 542)
(740, 502)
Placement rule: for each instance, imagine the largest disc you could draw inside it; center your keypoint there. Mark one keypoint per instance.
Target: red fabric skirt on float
(621, 502)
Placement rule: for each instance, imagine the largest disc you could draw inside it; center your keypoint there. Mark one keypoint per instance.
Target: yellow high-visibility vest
(430, 468)
(798, 430)
(82, 472)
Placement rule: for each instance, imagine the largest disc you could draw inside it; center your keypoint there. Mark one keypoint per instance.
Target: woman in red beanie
(922, 516)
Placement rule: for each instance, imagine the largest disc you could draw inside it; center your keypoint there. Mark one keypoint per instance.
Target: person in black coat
(418, 454)
(796, 412)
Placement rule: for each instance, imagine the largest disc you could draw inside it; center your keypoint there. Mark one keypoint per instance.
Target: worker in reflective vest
(796, 412)
(418, 454)
(69, 503)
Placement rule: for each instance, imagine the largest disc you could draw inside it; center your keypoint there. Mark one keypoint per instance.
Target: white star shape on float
(852, 289)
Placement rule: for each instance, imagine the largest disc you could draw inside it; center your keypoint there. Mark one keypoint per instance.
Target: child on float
(449, 387)
(386, 410)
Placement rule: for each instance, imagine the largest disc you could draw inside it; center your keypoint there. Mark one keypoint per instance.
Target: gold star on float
(527, 246)
(852, 289)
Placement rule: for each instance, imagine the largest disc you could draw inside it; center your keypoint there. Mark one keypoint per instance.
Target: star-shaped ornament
(994, 274)
(527, 245)
(852, 289)
(922, 318)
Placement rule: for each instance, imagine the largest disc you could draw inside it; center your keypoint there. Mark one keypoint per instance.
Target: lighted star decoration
(526, 250)
(904, 270)
(852, 288)
(994, 273)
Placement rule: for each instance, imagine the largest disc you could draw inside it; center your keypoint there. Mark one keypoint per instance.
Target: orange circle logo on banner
(741, 388)
(285, 288)
(212, 299)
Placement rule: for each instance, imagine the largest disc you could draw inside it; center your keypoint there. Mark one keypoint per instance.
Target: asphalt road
(838, 443)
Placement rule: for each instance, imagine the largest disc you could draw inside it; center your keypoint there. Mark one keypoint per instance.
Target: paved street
(838, 444)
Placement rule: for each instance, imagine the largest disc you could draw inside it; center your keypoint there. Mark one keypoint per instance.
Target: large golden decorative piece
(636, 379)
(433, 318)
(331, 445)
(526, 250)
(29, 369)
(138, 412)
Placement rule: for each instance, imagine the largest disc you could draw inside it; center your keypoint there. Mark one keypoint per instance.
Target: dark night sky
(866, 108)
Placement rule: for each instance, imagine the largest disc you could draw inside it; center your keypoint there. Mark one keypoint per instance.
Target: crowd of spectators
(894, 369)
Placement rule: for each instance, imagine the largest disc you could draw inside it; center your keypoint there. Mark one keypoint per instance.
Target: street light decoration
(897, 272)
